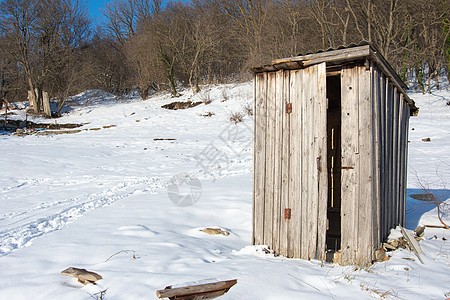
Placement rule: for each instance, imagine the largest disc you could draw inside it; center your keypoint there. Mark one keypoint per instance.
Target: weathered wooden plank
(309, 174)
(84, 276)
(388, 170)
(376, 159)
(255, 82)
(336, 57)
(365, 197)
(349, 162)
(405, 161)
(259, 157)
(305, 166)
(196, 290)
(277, 188)
(413, 244)
(401, 159)
(347, 54)
(388, 150)
(285, 167)
(395, 158)
(391, 154)
(321, 142)
(295, 200)
(383, 150)
(270, 158)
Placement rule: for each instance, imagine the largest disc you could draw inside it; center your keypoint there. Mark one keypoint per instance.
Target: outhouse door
(290, 160)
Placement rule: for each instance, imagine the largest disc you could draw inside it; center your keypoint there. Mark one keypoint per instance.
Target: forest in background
(148, 45)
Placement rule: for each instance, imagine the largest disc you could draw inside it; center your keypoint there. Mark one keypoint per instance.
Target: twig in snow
(126, 251)
(99, 296)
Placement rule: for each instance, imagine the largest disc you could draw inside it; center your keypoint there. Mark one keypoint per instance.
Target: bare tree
(41, 36)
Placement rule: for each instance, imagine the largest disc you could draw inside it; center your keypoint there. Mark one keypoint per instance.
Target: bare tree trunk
(32, 97)
(38, 93)
(46, 104)
(390, 28)
(32, 100)
(437, 80)
(168, 64)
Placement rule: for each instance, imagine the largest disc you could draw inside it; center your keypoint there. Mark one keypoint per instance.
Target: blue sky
(95, 6)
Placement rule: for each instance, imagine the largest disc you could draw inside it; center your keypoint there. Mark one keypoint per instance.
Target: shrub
(236, 117)
(248, 109)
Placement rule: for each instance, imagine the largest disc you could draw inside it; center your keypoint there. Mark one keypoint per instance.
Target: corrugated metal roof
(352, 45)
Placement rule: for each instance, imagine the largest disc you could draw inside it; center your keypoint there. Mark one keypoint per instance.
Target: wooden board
(340, 56)
(306, 165)
(376, 158)
(326, 56)
(84, 276)
(295, 200)
(349, 162)
(270, 158)
(278, 148)
(365, 179)
(402, 161)
(405, 158)
(201, 291)
(390, 113)
(285, 167)
(388, 153)
(412, 244)
(383, 150)
(259, 158)
(403, 145)
(322, 169)
(395, 158)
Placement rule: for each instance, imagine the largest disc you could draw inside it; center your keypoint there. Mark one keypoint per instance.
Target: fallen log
(200, 291)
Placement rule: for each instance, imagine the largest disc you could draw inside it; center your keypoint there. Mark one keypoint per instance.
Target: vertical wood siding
(391, 113)
(290, 154)
(259, 157)
(350, 163)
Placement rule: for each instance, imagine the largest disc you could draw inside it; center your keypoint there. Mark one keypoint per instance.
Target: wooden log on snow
(201, 291)
(84, 276)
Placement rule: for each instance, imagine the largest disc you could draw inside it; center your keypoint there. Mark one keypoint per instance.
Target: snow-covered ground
(149, 183)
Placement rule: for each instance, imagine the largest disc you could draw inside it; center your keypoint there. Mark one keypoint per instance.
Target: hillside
(144, 179)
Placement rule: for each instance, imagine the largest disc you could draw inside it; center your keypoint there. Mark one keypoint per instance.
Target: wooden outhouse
(330, 154)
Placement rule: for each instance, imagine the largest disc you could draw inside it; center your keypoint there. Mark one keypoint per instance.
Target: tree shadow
(416, 208)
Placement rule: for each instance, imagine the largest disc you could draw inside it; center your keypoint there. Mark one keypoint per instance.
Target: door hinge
(287, 213)
(288, 108)
(346, 168)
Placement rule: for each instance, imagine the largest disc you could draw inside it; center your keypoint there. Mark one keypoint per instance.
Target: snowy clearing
(152, 181)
